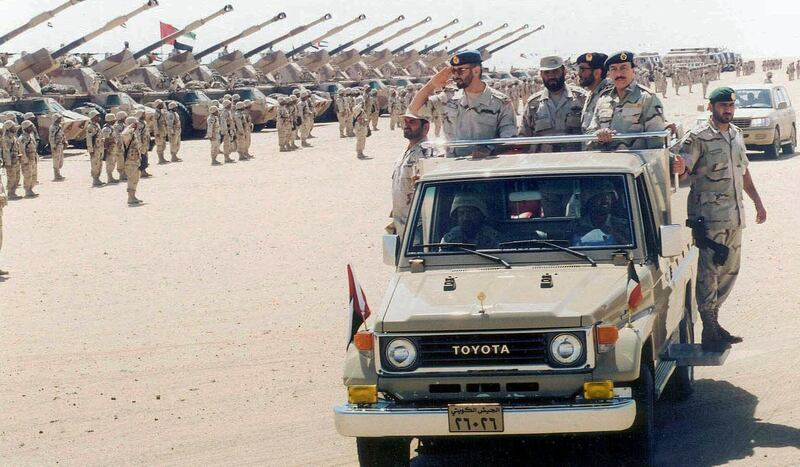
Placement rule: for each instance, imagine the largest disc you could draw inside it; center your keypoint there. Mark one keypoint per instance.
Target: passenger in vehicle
(470, 213)
(598, 224)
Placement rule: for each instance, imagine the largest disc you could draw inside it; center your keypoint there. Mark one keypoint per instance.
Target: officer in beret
(555, 110)
(713, 157)
(475, 111)
(625, 107)
(592, 77)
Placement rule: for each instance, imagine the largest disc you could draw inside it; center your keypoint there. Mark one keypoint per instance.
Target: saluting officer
(713, 157)
(555, 110)
(626, 107)
(476, 110)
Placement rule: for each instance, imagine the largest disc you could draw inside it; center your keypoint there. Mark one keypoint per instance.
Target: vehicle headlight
(566, 349)
(401, 353)
(760, 122)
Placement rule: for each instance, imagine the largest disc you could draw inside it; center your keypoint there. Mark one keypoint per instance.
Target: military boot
(30, 194)
(229, 160)
(14, 195)
(132, 199)
(123, 177)
(113, 180)
(725, 335)
(57, 176)
(176, 159)
(97, 182)
(161, 160)
(712, 339)
(3, 273)
(214, 161)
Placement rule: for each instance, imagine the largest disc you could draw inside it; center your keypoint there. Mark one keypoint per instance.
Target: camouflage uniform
(213, 132)
(591, 104)
(241, 130)
(361, 126)
(248, 135)
(485, 116)
(32, 118)
(341, 113)
(119, 127)
(161, 131)
(638, 110)
(403, 180)
(143, 133)
(11, 160)
(109, 138)
(349, 104)
(545, 116)
(174, 131)
(373, 109)
(717, 163)
(132, 154)
(94, 146)
(26, 145)
(396, 110)
(284, 124)
(57, 144)
(307, 115)
(228, 129)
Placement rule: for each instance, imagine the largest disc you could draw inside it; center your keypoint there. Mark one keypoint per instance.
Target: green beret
(593, 59)
(619, 57)
(467, 57)
(723, 94)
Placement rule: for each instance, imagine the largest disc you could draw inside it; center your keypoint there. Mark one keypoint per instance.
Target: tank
(504, 36)
(37, 20)
(390, 69)
(412, 59)
(486, 54)
(395, 35)
(436, 58)
(42, 61)
(181, 63)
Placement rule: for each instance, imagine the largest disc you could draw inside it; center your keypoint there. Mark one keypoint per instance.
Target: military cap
(239, 105)
(410, 114)
(593, 59)
(467, 57)
(226, 96)
(215, 102)
(57, 117)
(93, 113)
(213, 109)
(226, 103)
(158, 102)
(26, 124)
(122, 115)
(235, 97)
(248, 102)
(8, 124)
(173, 105)
(130, 120)
(295, 91)
(722, 94)
(29, 115)
(550, 63)
(110, 117)
(619, 57)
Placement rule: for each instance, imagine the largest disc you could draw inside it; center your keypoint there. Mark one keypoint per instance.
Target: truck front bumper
(386, 419)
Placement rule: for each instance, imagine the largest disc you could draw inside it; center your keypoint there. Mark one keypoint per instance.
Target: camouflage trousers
(214, 149)
(58, 156)
(241, 144)
(132, 169)
(96, 161)
(13, 171)
(174, 143)
(361, 138)
(373, 120)
(35, 169)
(120, 162)
(27, 176)
(715, 283)
(395, 119)
(342, 118)
(437, 125)
(306, 127)
(228, 145)
(111, 162)
(161, 145)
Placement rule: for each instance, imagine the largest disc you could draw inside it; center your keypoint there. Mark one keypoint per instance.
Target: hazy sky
(755, 29)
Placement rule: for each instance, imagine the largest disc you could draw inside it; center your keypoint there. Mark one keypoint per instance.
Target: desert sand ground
(207, 326)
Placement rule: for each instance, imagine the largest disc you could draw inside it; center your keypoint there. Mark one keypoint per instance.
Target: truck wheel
(681, 383)
(788, 148)
(383, 452)
(641, 437)
(774, 150)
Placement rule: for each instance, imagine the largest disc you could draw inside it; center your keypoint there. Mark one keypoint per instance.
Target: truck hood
(753, 113)
(514, 298)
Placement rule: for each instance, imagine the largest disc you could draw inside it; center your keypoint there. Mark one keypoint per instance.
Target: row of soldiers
(772, 64)
(357, 111)
(229, 128)
(792, 70)
(295, 120)
(745, 68)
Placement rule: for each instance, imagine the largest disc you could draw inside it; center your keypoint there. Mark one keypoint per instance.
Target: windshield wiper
(463, 247)
(551, 244)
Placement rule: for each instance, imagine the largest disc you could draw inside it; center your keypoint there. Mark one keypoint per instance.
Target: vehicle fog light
(566, 349)
(401, 353)
(598, 390)
(362, 394)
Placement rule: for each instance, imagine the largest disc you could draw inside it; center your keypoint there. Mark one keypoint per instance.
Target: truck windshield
(523, 213)
(753, 99)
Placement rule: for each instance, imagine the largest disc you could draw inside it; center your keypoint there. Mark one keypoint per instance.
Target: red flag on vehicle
(357, 306)
(634, 289)
(166, 30)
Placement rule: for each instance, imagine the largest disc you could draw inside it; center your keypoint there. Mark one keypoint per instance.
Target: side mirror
(701, 108)
(391, 245)
(672, 243)
(783, 105)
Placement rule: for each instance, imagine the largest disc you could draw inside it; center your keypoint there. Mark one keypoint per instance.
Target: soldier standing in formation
(626, 107)
(32, 118)
(26, 145)
(341, 111)
(161, 131)
(110, 143)
(284, 123)
(174, 131)
(132, 154)
(395, 109)
(361, 127)
(143, 133)
(119, 127)
(214, 132)
(294, 107)
(242, 129)
(57, 144)
(308, 115)
(11, 158)
(94, 146)
(3, 203)
(704, 80)
(556, 110)
(374, 109)
(228, 129)
(713, 157)
(476, 111)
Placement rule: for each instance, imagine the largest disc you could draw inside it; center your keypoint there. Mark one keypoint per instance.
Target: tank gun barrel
(241, 35)
(188, 28)
(369, 33)
(499, 48)
(331, 32)
(289, 34)
(426, 35)
(119, 20)
(395, 35)
(452, 36)
(504, 36)
(482, 36)
(37, 20)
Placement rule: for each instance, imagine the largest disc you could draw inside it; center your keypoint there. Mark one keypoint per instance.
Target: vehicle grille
(741, 122)
(523, 349)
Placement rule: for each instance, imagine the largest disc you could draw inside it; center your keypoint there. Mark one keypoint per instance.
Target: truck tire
(681, 383)
(773, 151)
(788, 148)
(641, 437)
(383, 452)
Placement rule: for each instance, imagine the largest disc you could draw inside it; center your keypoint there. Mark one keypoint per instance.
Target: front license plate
(475, 418)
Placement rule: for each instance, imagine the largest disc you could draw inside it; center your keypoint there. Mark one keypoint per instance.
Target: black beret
(593, 59)
(619, 57)
(723, 94)
(467, 57)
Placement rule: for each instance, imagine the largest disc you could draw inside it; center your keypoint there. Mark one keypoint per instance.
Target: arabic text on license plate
(475, 418)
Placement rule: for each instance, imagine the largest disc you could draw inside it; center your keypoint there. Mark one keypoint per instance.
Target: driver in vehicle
(598, 225)
(470, 213)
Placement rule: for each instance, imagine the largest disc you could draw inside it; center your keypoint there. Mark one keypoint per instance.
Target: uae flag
(634, 289)
(358, 309)
(183, 42)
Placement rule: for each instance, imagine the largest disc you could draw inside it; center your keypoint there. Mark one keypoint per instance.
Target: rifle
(700, 234)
